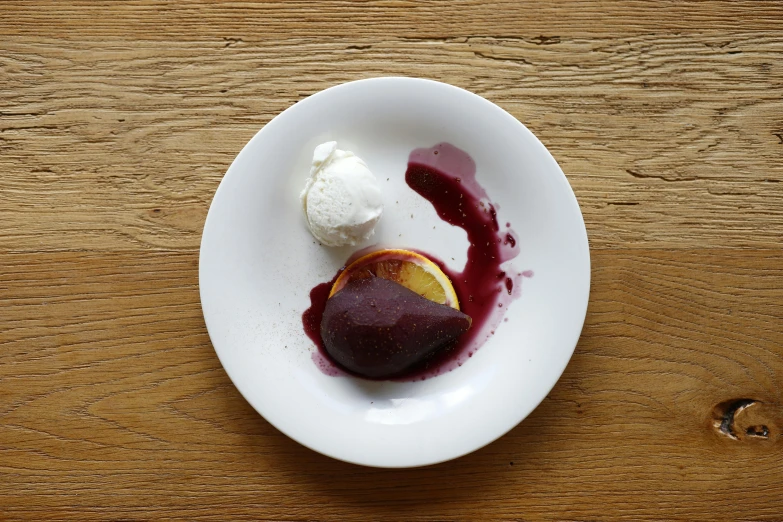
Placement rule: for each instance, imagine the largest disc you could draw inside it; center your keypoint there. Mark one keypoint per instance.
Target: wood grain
(115, 405)
(667, 140)
(118, 120)
(335, 18)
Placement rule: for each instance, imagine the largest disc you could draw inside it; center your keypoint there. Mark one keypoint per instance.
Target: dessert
(378, 328)
(446, 177)
(342, 198)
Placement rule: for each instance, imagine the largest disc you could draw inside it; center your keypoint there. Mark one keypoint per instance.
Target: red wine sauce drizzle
(446, 177)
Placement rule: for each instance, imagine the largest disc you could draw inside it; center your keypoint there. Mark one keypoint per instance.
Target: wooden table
(118, 120)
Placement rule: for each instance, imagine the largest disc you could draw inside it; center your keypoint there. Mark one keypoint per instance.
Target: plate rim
(583, 238)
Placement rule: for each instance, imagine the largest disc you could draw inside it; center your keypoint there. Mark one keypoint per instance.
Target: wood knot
(745, 420)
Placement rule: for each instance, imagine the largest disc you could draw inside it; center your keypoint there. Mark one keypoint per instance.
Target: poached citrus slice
(411, 270)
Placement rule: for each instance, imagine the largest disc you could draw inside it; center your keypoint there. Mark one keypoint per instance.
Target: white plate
(258, 263)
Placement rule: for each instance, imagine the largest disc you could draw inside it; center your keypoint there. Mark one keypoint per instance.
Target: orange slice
(411, 270)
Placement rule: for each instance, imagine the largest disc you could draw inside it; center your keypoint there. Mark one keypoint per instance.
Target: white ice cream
(341, 199)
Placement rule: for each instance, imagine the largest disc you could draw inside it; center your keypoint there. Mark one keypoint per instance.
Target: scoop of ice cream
(342, 198)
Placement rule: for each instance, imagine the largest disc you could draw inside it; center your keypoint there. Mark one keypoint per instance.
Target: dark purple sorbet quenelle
(446, 177)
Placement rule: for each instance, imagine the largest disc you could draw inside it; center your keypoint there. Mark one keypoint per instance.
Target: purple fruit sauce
(446, 177)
